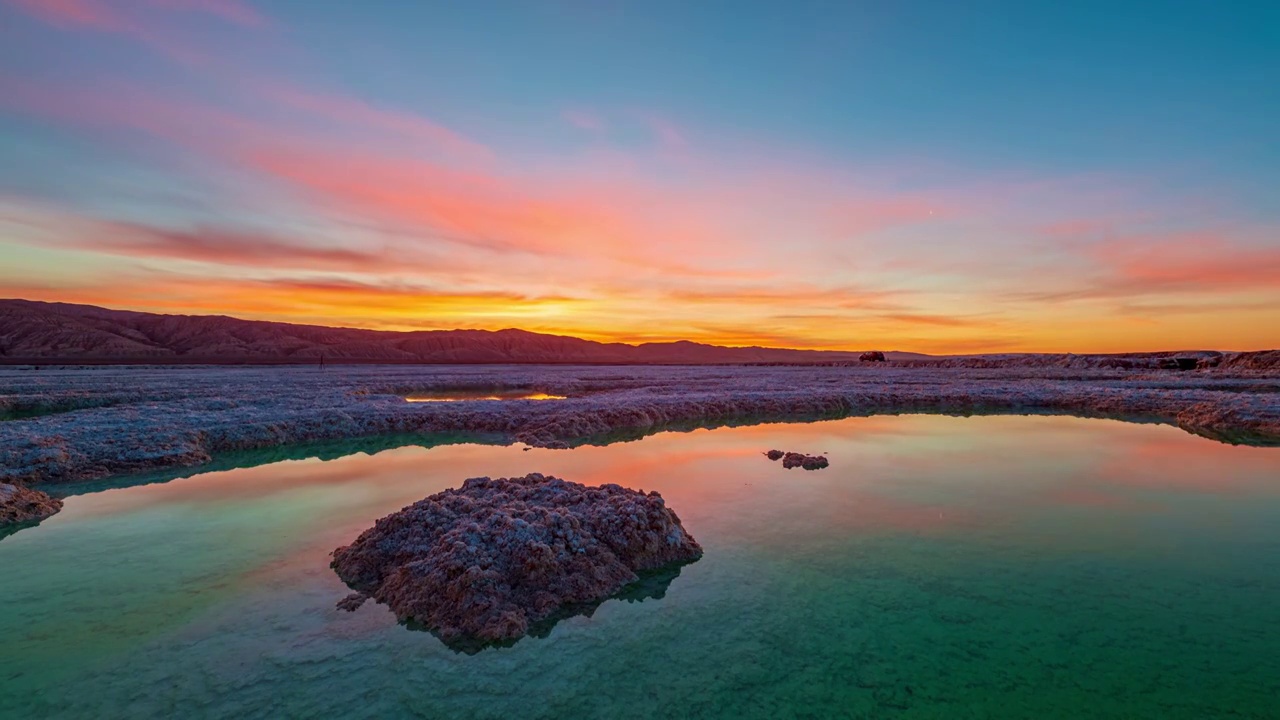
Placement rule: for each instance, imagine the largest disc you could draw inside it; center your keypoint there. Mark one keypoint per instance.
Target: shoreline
(70, 426)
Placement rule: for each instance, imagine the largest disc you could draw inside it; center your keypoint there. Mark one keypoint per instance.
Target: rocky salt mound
(484, 562)
(22, 505)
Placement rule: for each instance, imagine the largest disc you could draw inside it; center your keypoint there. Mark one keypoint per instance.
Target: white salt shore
(83, 423)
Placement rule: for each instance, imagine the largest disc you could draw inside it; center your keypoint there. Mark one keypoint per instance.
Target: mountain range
(33, 331)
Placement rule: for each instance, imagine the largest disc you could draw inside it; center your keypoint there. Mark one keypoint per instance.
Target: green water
(1020, 567)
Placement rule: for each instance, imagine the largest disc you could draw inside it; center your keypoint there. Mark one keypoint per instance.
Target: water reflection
(651, 585)
(459, 395)
(1034, 566)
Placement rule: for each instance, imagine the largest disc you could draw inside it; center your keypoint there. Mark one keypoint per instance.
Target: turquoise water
(1021, 567)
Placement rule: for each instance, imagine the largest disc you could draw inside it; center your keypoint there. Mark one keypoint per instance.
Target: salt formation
(19, 504)
(93, 423)
(485, 561)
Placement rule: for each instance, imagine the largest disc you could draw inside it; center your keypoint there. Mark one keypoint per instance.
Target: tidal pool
(1021, 567)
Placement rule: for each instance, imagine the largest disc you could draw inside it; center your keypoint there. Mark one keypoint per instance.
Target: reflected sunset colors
(933, 550)
(460, 395)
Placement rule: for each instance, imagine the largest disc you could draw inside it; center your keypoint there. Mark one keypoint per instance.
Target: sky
(931, 176)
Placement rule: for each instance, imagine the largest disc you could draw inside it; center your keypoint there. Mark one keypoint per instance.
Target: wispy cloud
(584, 120)
(151, 23)
(667, 133)
(230, 10)
(1202, 264)
(330, 203)
(353, 112)
(927, 319)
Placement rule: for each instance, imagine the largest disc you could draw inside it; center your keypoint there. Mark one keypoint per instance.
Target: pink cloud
(669, 136)
(737, 241)
(230, 10)
(1077, 228)
(584, 120)
(90, 14)
(51, 226)
(1200, 261)
(856, 218)
(586, 209)
(366, 117)
(1179, 263)
(106, 16)
(232, 247)
(151, 23)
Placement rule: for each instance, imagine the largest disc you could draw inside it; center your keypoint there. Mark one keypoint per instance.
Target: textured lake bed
(941, 567)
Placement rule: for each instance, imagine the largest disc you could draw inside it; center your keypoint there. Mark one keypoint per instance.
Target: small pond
(1021, 567)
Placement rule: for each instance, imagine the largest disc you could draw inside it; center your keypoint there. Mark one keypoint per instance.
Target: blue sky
(930, 175)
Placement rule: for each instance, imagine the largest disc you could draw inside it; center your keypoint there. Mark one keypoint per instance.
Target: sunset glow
(460, 396)
(644, 172)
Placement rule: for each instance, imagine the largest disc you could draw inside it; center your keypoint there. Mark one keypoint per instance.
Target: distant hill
(44, 332)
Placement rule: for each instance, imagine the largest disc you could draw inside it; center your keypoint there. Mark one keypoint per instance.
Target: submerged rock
(798, 460)
(484, 562)
(20, 504)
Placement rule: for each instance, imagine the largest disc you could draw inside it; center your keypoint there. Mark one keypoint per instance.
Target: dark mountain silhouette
(39, 331)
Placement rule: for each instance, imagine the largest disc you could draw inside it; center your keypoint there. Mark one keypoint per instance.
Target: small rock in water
(483, 562)
(800, 460)
(352, 602)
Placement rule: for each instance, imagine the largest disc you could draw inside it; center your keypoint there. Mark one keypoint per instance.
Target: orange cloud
(927, 319)
(839, 297)
(682, 238)
(590, 212)
(312, 301)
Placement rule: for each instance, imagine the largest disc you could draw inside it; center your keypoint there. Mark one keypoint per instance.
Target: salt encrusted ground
(97, 422)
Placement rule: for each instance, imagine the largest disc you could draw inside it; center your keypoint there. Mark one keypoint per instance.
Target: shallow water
(459, 395)
(942, 567)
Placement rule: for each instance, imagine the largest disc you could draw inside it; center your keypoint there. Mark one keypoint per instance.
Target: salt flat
(83, 423)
